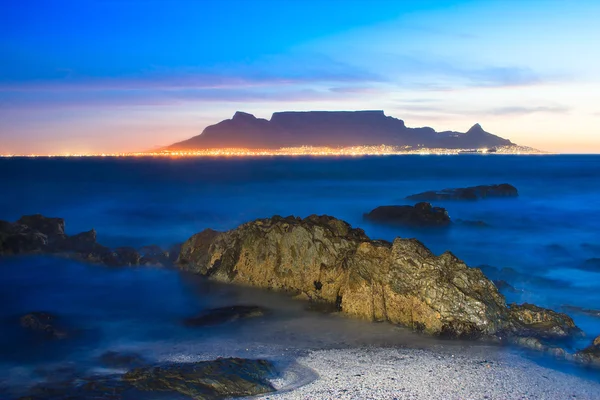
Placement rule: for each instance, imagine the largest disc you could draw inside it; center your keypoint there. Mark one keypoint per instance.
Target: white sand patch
(376, 373)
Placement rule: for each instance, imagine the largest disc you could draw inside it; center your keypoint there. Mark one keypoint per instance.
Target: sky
(131, 75)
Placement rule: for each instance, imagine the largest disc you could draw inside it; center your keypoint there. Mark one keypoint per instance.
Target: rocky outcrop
(205, 380)
(37, 234)
(591, 354)
(468, 193)
(223, 315)
(325, 260)
(419, 215)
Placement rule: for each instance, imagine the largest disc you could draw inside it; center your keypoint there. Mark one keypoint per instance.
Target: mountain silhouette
(331, 129)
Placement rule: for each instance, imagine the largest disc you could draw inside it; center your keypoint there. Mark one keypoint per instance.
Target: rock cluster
(468, 193)
(325, 260)
(37, 234)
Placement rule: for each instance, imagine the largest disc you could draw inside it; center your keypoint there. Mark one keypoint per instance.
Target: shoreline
(404, 373)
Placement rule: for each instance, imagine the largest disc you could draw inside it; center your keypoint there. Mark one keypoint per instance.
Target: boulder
(591, 354)
(421, 214)
(532, 321)
(325, 260)
(468, 193)
(221, 378)
(222, 315)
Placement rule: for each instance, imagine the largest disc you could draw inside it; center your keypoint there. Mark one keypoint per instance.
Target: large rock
(421, 214)
(468, 193)
(591, 354)
(325, 260)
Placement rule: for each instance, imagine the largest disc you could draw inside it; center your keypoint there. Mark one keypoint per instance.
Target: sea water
(546, 234)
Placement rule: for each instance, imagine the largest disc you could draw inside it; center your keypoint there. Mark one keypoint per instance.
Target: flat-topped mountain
(331, 129)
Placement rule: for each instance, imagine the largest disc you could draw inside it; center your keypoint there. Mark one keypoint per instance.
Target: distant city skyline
(123, 76)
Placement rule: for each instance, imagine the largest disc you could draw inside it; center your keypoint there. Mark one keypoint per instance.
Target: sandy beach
(392, 373)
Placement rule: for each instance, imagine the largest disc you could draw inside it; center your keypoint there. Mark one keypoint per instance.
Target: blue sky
(123, 75)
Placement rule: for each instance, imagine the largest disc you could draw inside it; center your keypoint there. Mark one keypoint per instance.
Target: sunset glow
(94, 77)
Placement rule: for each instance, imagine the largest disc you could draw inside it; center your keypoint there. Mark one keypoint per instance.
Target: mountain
(330, 129)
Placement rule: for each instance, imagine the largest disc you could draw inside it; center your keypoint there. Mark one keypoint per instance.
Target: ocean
(548, 237)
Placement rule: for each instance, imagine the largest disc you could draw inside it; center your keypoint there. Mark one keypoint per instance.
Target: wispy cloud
(516, 110)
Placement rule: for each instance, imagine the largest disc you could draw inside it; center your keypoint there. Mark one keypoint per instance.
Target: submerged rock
(591, 354)
(222, 315)
(468, 193)
(421, 214)
(325, 260)
(581, 310)
(43, 323)
(221, 378)
(116, 359)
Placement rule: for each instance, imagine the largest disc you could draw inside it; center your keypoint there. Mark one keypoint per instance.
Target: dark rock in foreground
(421, 214)
(223, 315)
(591, 354)
(217, 379)
(468, 193)
(325, 260)
(37, 234)
(221, 378)
(44, 324)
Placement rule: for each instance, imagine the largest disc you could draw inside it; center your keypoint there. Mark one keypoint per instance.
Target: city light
(352, 151)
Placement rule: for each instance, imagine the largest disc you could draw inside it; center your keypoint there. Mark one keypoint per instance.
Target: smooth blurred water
(546, 233)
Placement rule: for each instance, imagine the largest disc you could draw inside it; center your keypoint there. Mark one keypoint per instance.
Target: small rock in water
(222, 315)
(421, 214)
(468, 193)
(43, 323)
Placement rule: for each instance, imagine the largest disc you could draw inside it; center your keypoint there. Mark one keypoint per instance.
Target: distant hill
(331, 129)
